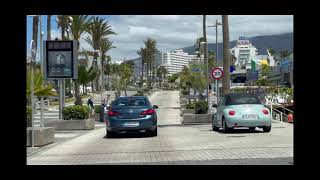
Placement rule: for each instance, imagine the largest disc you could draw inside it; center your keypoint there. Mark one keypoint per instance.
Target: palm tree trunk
(49, 27)
(226, 56)
(206, 45)
(141, 78)
(77, 94)
(35, 29)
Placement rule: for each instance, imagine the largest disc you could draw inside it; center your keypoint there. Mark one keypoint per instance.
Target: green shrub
(138, 94)
(190, 106)
(185, 92)
(201, 107)
(75, 112)
(145, 89)
(97, 108)
(29, 116)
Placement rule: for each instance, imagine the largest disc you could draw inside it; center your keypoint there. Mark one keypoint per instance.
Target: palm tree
(98, 29)
(164, 73)
(206, 45)
(197, 46)
(151, 50)
(126, 73)
(105, 46)
(284, 54)
(271, 51)
(63, 22)
(185, 77)
(107, 69)
(78, 27)
(142, 54)
(226, 56)
(39, 88)
(48, 27)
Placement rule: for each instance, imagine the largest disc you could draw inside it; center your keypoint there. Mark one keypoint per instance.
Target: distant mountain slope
(262, 43)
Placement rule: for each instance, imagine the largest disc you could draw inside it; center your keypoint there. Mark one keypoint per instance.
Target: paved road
(175, 144)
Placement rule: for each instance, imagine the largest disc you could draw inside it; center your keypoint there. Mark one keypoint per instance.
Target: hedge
(76, 112)
(201, 107)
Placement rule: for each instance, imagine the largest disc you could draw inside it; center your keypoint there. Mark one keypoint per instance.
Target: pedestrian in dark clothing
(90, 102)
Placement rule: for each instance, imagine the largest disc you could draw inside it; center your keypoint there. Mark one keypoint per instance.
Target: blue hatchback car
(131, 114)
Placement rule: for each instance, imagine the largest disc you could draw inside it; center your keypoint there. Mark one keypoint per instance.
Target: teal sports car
(241, 110)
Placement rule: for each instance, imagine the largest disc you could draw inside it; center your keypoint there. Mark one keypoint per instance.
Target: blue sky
(172, 31)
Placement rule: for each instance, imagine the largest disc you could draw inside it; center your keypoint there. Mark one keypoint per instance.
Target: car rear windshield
(131, 102)
(234, 100)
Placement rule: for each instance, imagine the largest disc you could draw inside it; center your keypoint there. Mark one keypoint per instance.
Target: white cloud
(55, 33)
(177, 31)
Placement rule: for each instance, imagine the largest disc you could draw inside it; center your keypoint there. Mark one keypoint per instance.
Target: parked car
(131, 114)
(241, 110)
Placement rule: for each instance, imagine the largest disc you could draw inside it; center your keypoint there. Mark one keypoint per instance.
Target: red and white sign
(216, 73)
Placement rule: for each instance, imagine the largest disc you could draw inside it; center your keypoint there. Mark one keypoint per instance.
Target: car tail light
(148, 112)
(232, 112)
(265, 111)
(113, 113)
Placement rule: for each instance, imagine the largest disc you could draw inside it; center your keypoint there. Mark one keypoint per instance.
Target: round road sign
(216, 73)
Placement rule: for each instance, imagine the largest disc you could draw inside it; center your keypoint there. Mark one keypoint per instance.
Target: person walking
(90, 103)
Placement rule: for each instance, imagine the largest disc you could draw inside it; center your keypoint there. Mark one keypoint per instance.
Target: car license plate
(131, 124)
(251, 116)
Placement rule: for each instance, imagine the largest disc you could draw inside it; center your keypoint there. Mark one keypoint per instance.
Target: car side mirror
(155, 107)
(214, 105)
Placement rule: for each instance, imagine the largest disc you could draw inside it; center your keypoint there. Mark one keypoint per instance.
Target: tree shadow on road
(129, 135)
(240, 131)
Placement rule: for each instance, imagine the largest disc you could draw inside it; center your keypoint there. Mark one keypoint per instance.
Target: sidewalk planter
(184, 111)
(42, 136)
(81, 124)
(202, 118)
(188, 118)
(197, 118)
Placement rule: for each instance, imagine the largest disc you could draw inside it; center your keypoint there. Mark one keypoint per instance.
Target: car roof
(132, 97)
(240, 95)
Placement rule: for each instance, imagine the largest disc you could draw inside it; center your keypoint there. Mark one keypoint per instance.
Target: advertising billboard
(60, 60)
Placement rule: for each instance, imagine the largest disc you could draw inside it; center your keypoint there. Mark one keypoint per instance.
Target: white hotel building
(244, 51)
(175, 60)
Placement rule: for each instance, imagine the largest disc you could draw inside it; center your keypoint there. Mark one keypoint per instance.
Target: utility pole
(217, 50)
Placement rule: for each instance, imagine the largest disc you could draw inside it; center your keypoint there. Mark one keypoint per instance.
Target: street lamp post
(216, 26)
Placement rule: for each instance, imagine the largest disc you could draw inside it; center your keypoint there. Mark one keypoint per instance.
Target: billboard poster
(60, 60)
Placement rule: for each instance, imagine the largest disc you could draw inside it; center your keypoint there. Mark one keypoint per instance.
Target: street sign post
(217, 74)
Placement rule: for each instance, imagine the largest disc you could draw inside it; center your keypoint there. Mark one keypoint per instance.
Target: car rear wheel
(154, 132)
(110, 134)
(214, 127)
(267, 128)
(225, 127)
